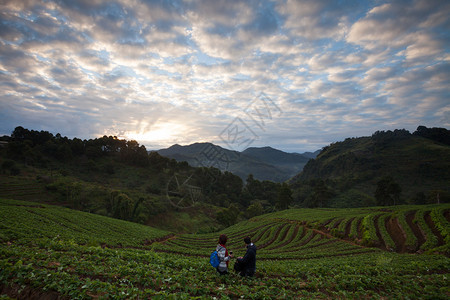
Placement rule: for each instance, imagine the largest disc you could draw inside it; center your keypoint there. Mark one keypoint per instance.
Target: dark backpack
(214, 259)
(238, 267)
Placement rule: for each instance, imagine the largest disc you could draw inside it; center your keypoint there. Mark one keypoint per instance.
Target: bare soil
(381, 244)
(307, 240)
(16, 292)
(274, 237)
(328, 222)
(397, 234)
(256, 238)
(359, 226)
(420, 235)
(290, 239)
(348, 226)
(160, 240)
(337, 223)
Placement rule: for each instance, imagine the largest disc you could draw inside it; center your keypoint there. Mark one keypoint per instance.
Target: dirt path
(160, 240)
(359, 229)
(397, 234)
(381, 242)
(420, 235)
(348, 227)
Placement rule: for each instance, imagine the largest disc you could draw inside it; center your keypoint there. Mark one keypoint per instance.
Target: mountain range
(265, 163)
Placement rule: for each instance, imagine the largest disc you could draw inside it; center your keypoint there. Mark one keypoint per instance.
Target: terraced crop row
(402, 229)
(283, 240)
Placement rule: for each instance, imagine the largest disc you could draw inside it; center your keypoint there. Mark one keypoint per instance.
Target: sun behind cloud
(163, 133)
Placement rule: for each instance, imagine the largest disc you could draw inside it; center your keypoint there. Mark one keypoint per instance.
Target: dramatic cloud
(295, 75)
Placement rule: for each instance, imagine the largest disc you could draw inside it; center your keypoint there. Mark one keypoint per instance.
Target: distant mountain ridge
(265, 163)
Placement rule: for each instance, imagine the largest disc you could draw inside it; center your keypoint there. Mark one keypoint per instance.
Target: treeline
(34, 147)
(121, 179)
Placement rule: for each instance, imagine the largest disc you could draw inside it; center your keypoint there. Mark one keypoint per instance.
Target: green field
(391, 252)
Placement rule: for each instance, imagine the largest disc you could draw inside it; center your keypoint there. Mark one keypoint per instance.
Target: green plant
(79, 255)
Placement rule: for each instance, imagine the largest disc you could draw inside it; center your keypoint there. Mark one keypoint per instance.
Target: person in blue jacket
(247, 264)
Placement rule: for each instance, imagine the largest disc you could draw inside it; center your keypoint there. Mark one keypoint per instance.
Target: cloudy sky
(294, 75)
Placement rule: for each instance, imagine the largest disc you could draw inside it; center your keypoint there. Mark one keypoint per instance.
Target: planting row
(274, 241)
(398, 228)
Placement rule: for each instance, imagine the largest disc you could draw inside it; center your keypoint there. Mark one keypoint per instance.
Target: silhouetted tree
(387, 192)
(441, 135)
(420, 198)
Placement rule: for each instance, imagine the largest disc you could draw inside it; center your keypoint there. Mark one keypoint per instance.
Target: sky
(293, 75)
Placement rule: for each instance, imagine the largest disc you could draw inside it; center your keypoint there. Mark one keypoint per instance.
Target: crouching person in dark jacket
(247, 264)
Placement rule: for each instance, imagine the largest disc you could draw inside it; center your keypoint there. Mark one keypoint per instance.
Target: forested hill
(387, 167)
(121, 179)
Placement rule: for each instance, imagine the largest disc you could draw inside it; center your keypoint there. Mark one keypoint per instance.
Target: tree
(64, 153)
(321, 194)
(73, 194)
(228, 216)
(77, 146)
(388, 192)
(136, 209)
(254, 187)
(19, 133)
(420, 198)
(121, 206)
(270, 191)
(440, 135)
(254, 210)
(221, 200)
(284, 197)
(157, 162)
(438, 196)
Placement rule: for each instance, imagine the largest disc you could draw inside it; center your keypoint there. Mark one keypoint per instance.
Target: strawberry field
(389, 252)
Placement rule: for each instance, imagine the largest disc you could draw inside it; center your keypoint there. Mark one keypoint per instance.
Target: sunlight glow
(160, 132)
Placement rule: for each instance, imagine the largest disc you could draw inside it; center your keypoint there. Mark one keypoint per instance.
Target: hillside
(112, 177)
(24, 221)
(121, 179)
(348, 173)
(264, 163)
(52, 252)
